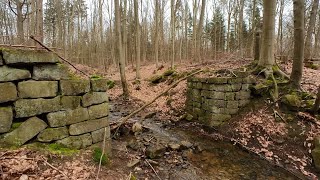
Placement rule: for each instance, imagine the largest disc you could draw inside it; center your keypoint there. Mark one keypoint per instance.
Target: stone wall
(40, 100)
(214, 100)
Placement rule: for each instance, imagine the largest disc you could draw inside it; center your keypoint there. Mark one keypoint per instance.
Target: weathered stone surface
(13, 74)
(74, 87)
(217, 80)
(31, 107)
(62, 118)
(1, 61)
(6, 117)
(231, 111)
(236, 87)
(232, 104)
(218, 95)
(235, 80)
(26, 131)
(77, 142)
(242, 95)
(97, 136)
(88, 126)
(316, 157)
(99, 85)
(50, 72)
(155, 151)
(52, 134)
(8, 92)
(37, 89)
(98, 111)
(243, 103)
(92, 98)
(28, 57)
(230, 96)
(70, 102)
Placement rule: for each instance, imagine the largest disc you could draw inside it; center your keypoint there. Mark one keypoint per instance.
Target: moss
(15, 125)
(133, 177)
(111, 84)
(156, 79)
(292, 100)
(97, 153)
(95, 76)
(169, 72)
(60, 149)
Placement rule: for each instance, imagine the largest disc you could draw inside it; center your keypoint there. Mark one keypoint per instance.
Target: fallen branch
(63, 59)
(308, 117)
(155, 172)
(125, 119)
(46, 162)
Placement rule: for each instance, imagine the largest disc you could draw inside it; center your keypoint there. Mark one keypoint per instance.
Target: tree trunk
(199, 31)
(296, 74)
(156, 47)
(240, 30)
(280, 34)
(20, 20)
(316, 107)
(39, 16)
(137, 40)
(172, 25)
(312, 22)
(120, 52)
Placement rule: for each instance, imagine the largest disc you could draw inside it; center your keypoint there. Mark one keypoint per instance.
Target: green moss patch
(97, 153)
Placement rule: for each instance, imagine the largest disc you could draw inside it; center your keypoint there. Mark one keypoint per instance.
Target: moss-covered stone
(88, 126)
(6, 118)
(316, 157)
(77, 142)
(63, 118)
(243, 95)
(156, 79)
(217, 80)
(99, 85)
(8, 92)
(70, 102)
(13, 74)
(292, 101)
(93, 98)
(32, 107)
(98, 111)
(97, 136)
(26, 131)
(51, 72)
(37, 89)
(52, 134)
(74, 87)
(19, 56)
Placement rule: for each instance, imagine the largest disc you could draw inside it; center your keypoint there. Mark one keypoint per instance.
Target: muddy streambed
(206, 159)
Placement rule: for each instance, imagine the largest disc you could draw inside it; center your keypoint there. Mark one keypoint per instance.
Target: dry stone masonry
(213, 100)
(40, 100)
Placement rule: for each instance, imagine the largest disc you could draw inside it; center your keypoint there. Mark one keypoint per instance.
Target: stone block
(74, 87)
(245, 87)
(198, 85)
(93, 98)
(230, 96)
(213, 109)
(205, 93)
(63, 118)
(218, 95)
(32, 107)
(206, 86)
(97, 136)
(19, 56)
(217, 80)
(13, 74)
(51, 72)
(98, 111)
(99, 85)
(189, 84)
(196, 104)
(26, 131)
(235, 80)
(231, 111)
(53, 134)
(249, 80)
(221, 88)
(77, 142)
(218, 119)
(243, 95)
(88, 126)
(236, 87)
(37, 89)
(70, 102)
(8, 92)
(243, 103)
(1, 61)
(6, 117)
(232, 104)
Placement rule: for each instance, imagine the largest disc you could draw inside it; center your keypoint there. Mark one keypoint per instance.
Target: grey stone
(243, 103)
(6, 117)
(70, 102)
(1, 61)
(217, 80)
(232, 104)
(37, 89)
(52, 134)
(28, 57)
(74, 87)
(155, 151)
(243, 95)
(62, 118)
(77, 142)
(99, 85)
(97, 136)
(235, 80)
(231, 111)
(198, 85)
(51, 72)
(8, 92)
(186, 144)
(26, 131)
(245, 87)
(249, 80)
(174, 146)
(98, 111)
(218, 95)
(230, 96)
(88, 126)
(31, 107)
(13, 74)
(236, 87)
(93, 98)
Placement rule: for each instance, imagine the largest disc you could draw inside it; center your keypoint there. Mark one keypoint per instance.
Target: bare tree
(312, 22)
(137, 40)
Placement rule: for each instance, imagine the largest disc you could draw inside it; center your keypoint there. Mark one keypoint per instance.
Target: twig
(103, 151)
(50, 50)
(277, 114)
(125, 119)
(46, 162)
(153, 169)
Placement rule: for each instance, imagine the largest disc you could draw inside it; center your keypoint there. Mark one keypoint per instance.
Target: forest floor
(253, 145)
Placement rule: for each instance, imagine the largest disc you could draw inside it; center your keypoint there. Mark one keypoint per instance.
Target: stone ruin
(40, 100)
(213, 98)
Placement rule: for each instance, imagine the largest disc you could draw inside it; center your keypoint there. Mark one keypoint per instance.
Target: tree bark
(137, 40)
(312, 22)
(172, 25)
(316, 107)
(156, 47)
(199, 31)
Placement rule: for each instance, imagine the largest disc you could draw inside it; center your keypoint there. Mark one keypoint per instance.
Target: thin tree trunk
(137, 40)
(312, 22)
(199, 30)
(156, 48)
(172, 25)
(240, 32)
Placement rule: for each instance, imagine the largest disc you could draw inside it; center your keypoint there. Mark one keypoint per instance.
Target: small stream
(219, 159)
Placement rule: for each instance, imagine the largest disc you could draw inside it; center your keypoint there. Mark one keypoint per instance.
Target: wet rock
(133, 162)
(52, 134)
(28, 57)
(8, 92)
(6, 117)
(98, 111)
(51, 72)
(134, 144)
(77, 142)
(37, 89)
(26, 131)
(31, 107)
(62, 118)
(88, 126)
(13, 74)
(74, 87)
(155, 151)
(70, 102)
(99, 85)
(174, 146)
(93, 98)
(97, 136)
(186, 144)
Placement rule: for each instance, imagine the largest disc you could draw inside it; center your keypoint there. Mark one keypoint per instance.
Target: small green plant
(97, 153)
(15, 125)
(96, 76)
(110, 84)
